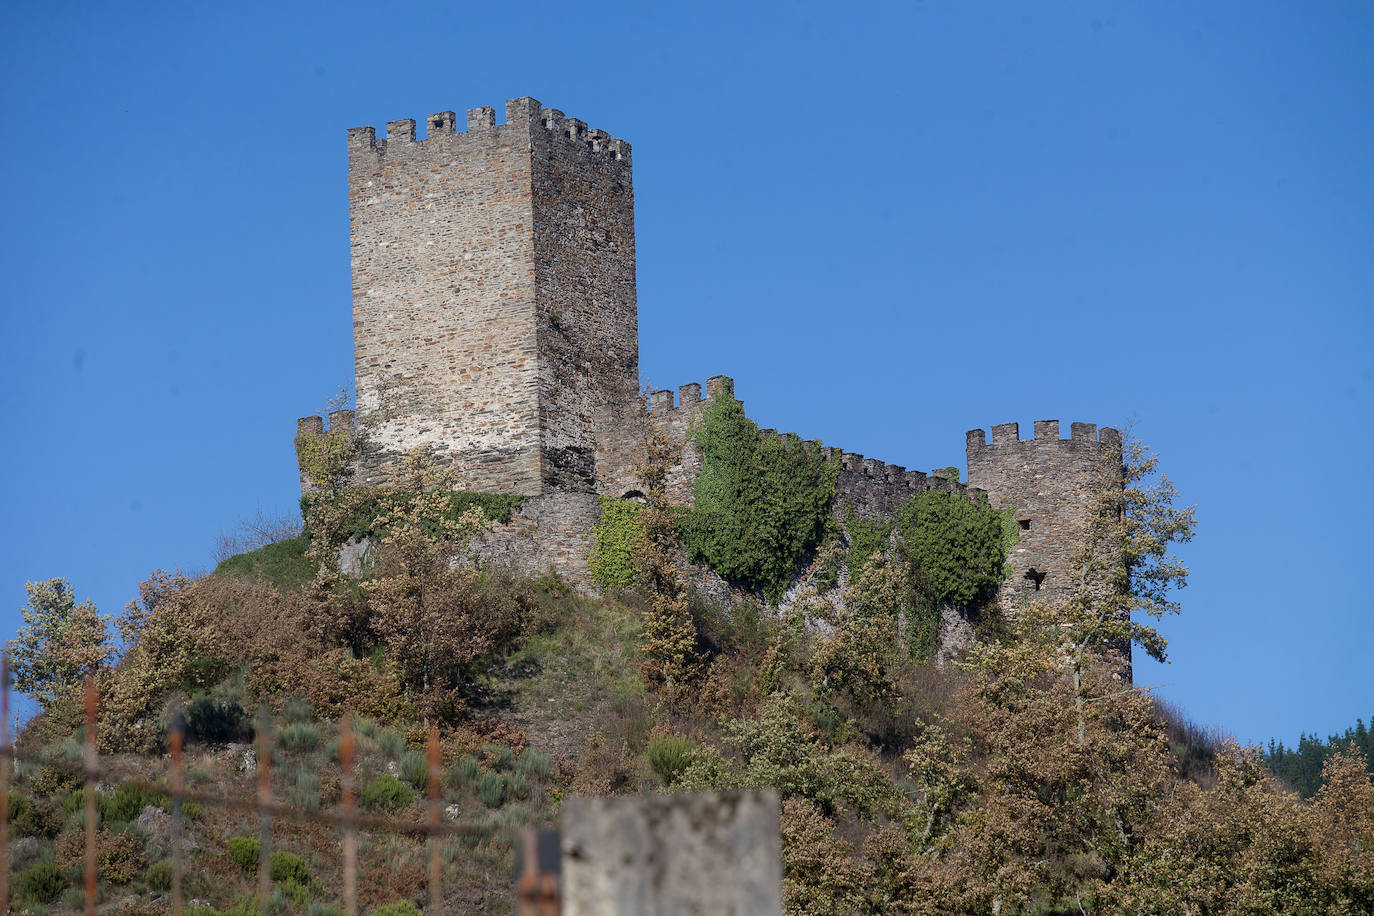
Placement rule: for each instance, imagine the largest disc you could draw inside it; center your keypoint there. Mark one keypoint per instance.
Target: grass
(670, 755)
(561, 682)
(282, 565)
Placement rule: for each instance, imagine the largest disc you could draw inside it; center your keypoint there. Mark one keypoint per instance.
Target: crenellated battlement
(523, 114)
(345, 421)
(1045, 432)
(689, 397)
(1052, 484)
(314, 425)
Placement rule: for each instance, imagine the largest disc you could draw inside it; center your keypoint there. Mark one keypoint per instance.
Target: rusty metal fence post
(92, 768)
(264, 742)
(347, 747)
(537, 866)
(436, 864)
(176, 739)
(4, 783)
(538, 888)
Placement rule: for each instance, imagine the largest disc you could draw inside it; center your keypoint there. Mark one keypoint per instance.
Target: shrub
(866, 537)
(39, 884)
(159, 876)
(296, 710)
(319, 908)
(404, 908)
(214, 722)
(464, 773)
(120, 857)
(299, 737)
(41, 818)
(306, 792)
(491, 788)
(762, 504)
(955, 545)
(70, 750)
(393, 744)
(75, 801)
(499, 756)
(517, 786)
(670, 756)
(515, 816)
(414, 769)
(283, 565)
(293, 893)
(246, 851)
(387, 793)
(287, 866)
(534, 764)
(245, 906)
(127, 802)
(52, 781)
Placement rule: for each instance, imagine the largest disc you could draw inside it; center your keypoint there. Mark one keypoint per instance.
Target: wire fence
(537, 860)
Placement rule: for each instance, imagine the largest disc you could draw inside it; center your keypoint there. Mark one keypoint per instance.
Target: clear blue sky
(890, 223)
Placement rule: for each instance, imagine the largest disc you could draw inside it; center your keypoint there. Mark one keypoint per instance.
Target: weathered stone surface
(1054, 485)
(672, 855)
(494, 305)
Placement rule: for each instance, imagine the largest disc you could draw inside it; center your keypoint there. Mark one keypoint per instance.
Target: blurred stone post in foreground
(670, 855)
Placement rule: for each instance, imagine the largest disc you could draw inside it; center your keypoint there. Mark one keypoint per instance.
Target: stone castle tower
(494, 314)
(495, 322)
(1053, 485)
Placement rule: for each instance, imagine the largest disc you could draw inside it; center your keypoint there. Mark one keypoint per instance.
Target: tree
(1076, 764)
(1124, 569)
(426, 610)
(60, 643)
(671, 659)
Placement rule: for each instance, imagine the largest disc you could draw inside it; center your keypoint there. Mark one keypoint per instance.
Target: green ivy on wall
(956, 546)
(762, 504)
(866, 537)
(326, 457)
(614, 541)
(367, 505)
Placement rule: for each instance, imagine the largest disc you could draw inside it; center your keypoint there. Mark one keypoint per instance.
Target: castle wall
(548, 533)
(584, 255)
(495, 322)
(1054, 485)
(445, 339)
(494, 306)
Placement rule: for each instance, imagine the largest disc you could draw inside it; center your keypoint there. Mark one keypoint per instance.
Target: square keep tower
(494, 312)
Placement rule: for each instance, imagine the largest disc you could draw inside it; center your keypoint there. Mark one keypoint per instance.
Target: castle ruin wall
(1054, 486)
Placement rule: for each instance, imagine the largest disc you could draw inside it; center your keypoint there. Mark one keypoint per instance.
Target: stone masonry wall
(548, 533)
(584, 254)
(1054, 485)
(444, 331)
(493, 293)
(866, 486)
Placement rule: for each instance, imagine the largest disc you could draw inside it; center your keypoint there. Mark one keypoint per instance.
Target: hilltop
(983, 784)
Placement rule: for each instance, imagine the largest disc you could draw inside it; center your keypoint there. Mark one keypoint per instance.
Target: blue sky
(890, 223)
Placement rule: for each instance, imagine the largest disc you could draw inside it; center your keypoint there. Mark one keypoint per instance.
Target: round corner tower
(1054, 486)
(494, 313)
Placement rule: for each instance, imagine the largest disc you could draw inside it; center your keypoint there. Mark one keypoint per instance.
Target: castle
(495, 321)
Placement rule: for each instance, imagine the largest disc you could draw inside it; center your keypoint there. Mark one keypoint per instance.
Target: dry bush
(605, 767)
(1194, 746)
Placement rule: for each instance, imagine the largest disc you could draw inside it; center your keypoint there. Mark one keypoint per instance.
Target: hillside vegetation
(1026, 778)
